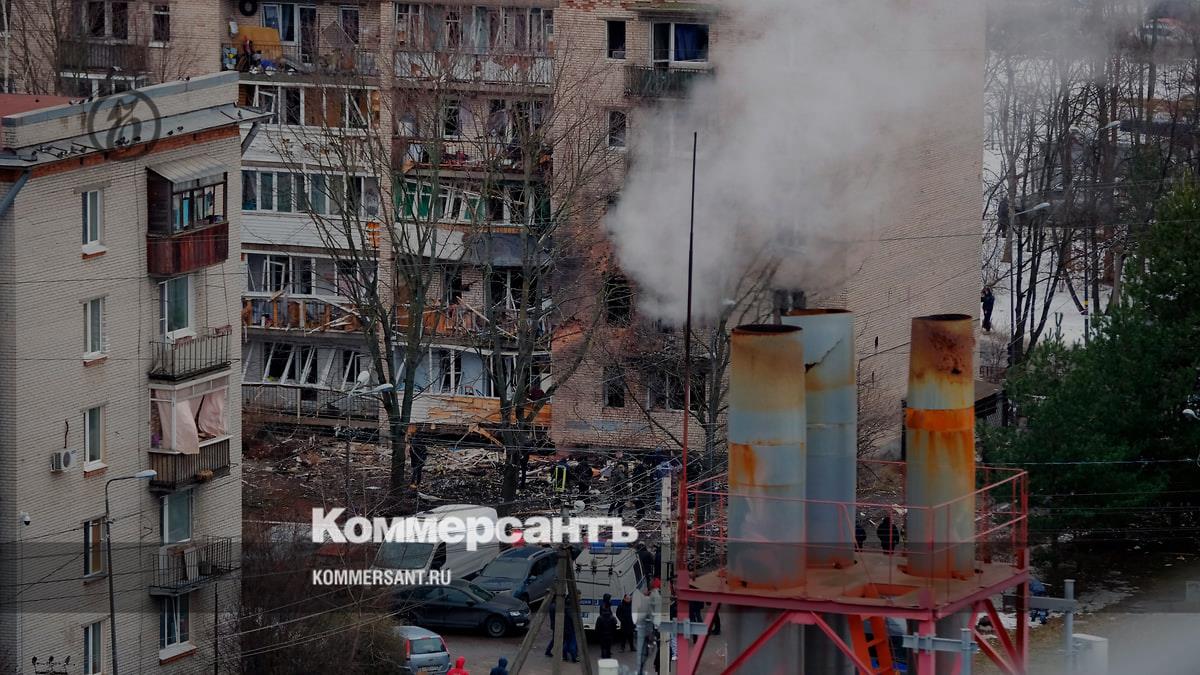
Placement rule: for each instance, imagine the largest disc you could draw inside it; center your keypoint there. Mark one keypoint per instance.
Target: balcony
(500, 69)
(173, 254)
(303, 59)
(309, 314)
(182, 568)
(177, 470)
(184, 358)
(102, 55)
(296, 404)
(661, 82)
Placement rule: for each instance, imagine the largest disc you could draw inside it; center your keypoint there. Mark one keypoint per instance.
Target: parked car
(527, 573)
(424, 651)
(461, 604)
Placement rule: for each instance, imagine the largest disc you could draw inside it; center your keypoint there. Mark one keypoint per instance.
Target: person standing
(416, 456)
(625, 635)
(889, 534)
(647, 606)
(501, 668)
(988, 299)
(617, 490)
(460, 667)
(606, 627)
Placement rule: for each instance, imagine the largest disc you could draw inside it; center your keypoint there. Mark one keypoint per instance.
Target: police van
(606, 567)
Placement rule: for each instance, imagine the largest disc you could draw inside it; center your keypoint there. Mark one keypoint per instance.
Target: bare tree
(54, 44)
(474, 190)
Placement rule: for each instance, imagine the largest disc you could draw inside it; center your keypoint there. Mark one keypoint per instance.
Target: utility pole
(564, 598)
(666, 573)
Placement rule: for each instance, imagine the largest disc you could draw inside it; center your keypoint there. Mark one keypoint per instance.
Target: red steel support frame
(1011, 658)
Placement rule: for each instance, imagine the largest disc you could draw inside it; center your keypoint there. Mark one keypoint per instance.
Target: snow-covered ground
(1072, 320)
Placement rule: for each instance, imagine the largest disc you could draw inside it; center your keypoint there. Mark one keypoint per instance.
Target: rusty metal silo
(940, 428)
(767, 467)
(831, 404)
(940, 477)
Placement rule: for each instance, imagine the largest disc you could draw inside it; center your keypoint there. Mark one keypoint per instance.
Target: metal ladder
(879, 641)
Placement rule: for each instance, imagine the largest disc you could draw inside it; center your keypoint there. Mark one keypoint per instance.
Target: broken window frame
(410, 25)
(449, 374)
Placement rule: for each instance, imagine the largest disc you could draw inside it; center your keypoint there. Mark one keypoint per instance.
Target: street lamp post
(145, 474)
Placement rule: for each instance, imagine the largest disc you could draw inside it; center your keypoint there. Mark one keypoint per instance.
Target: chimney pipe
(939, 425)
(831, 405)
(767, 467)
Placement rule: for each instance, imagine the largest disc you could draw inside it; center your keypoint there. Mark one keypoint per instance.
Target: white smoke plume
(804, 137)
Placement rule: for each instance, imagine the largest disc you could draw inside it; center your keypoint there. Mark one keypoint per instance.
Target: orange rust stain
(743, 464)
(942, 349)
(940, 420)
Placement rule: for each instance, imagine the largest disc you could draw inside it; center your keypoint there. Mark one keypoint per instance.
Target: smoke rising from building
(804, 134)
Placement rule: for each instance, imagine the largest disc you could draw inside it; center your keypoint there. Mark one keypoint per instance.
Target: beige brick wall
(45, 386)
(928, 265)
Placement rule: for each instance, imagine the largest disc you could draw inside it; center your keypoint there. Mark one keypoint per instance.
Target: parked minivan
(424, 651)
(462, 563)
(605, 567)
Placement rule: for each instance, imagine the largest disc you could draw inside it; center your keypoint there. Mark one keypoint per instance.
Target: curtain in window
(691, 42)
(185, 437)
(210, 419)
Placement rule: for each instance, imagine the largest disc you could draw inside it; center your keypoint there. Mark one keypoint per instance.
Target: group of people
(889, 535)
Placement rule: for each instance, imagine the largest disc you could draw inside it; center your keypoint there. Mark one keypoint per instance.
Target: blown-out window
(182, 420)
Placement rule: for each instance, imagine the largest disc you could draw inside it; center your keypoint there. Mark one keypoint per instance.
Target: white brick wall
(45, 386)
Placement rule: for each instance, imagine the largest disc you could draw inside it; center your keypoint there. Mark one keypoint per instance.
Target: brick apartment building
(119, 288)
(356, 68)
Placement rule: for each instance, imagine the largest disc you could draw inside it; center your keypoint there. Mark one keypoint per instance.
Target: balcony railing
(101, 55)
(193, 249)
(506, 69)
(178, 470)
(328, 406)
(182, 568)
(312, 314)
(183, 358)
(659, 82)
(308, 58)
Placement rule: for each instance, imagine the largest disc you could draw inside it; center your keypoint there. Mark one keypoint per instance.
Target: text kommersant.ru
(472, 530)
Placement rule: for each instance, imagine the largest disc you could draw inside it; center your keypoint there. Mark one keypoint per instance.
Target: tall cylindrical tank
(831, 405)
(767, 468)
(939, 425)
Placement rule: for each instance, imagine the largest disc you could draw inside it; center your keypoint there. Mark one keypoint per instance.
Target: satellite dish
(364, 378)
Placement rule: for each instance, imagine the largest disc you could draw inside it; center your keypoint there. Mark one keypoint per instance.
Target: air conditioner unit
(62, 460)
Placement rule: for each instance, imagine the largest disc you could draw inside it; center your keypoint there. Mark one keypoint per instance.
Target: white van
(605, 567)
(462, 563)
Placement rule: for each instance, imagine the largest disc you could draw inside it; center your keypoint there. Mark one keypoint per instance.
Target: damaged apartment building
(443, 103)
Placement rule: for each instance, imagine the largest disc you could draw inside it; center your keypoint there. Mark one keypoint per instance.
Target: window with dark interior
(618, 300)
(616, 39)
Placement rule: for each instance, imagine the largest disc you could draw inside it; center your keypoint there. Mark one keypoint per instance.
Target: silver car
(424, 651)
